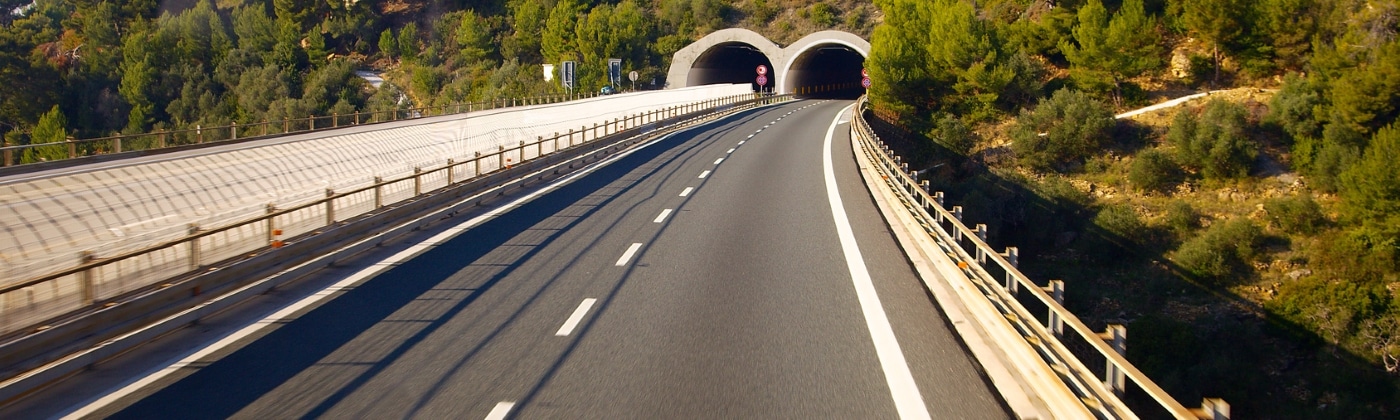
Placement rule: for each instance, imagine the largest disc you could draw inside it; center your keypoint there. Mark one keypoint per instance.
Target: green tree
(1063, 130)
(527, 21)
(473, 40)
(408, 41)
(557, 41)
(316, 47)
(1289, 26)
(1370, 189)
(1112, 51)
(1217, 22)
(52, 128)
(255, 30)
(387, 44)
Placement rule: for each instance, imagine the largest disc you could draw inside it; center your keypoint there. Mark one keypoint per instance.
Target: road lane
(734, 303)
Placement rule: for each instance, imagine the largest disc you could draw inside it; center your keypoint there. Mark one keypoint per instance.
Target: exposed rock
(1298, 274)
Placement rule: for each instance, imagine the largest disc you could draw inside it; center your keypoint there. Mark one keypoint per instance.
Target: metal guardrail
(75, 148)
(997, 277)
(27, 304)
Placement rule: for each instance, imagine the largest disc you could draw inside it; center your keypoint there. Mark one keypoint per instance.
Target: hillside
(98, 68)
(1248, 239)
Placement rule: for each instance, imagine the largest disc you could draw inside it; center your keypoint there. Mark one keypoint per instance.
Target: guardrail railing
(996, 276)
(95, 282)
(11, 155)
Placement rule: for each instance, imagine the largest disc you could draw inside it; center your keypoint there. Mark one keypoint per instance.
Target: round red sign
(762, 70)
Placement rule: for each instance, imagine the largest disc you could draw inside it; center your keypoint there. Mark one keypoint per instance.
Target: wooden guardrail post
(195, 261)
(272, 232)
(477, 162)
(330, 207)
(87, 278)
(72, 147)
(1213, 409)
(981, 230)
(233, 131)
(378, 192)
(1054, 322)
(417, 181)
(1117, 338)
(117, 144)
(1013, 256)
(451, 172)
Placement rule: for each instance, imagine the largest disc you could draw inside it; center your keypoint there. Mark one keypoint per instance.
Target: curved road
(705, 275)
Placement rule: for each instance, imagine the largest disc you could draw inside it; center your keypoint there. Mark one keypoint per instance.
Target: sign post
(615, 71)
(762, 79)
(567, 74)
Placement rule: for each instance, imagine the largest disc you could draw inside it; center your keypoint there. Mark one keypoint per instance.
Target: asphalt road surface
(706, 275)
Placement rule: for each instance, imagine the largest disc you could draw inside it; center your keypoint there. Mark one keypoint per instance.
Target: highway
(705, 275)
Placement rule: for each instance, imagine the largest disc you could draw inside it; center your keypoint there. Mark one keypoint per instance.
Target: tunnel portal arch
(827, 58)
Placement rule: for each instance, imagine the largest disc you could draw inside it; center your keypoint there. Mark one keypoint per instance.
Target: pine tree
(387, 44)
(52, 128)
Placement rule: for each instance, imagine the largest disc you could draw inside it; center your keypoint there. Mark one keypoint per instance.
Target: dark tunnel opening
(826, 71)
(730, 62)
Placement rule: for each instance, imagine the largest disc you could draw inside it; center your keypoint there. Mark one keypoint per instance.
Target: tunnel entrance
(826, 71)
(730, 62)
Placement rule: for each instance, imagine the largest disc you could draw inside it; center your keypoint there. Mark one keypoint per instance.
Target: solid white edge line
(686, 191)
(572, 322)
(501, 410)
(662, 217)
(626, 256)
(704, 174)
(86, 408)
(907, 400)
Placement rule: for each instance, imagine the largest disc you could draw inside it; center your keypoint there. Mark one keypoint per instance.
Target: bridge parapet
(1030, 362)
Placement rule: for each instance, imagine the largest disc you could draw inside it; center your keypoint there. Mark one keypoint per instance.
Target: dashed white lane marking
(286, 313)
(501, 411)
(741, 142)
(750, 136)
(731, 151)
(907, 400)
(662, 217)
(717, 161)
(626, 256)
(686, 191)
(704, 174)
(572, 322)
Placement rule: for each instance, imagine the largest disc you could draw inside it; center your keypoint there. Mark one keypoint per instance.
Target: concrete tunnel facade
(825, 58)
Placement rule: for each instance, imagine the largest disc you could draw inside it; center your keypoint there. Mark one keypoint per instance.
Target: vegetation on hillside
(1249, 241)
(135, 66)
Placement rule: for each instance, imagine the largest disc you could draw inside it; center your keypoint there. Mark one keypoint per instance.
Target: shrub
(1292, 108)
(952, 133)
(823, 15)
(1154, 170)
(1220, 252)
(1181, 218)
(1120, 231)
(1074, 124)
(1216, 143)
(1296, 214)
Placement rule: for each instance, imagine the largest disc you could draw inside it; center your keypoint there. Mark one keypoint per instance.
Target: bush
(1221, 252)
(1296, 214)
(952, 133)
(1217, 143)
(1181, 218)
(1074, 124)
(1120, 230)
(1292, 108)
(1154, 170)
